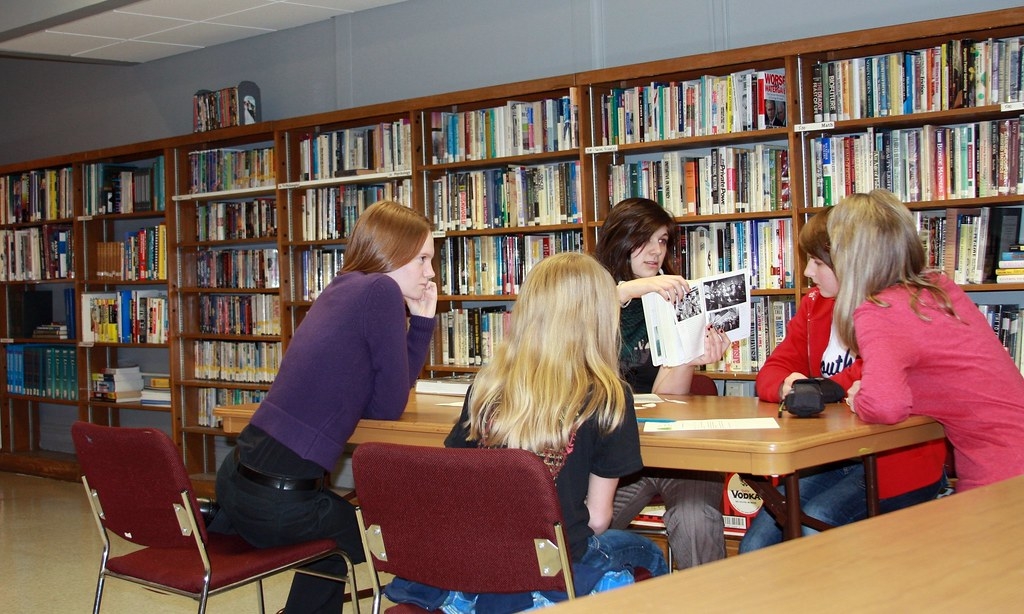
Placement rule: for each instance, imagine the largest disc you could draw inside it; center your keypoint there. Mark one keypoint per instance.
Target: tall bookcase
(226, 340)
(509, 174)
(501, 176)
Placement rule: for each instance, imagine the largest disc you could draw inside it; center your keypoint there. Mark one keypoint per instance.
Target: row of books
(726, 180)
(252, 362)
(37, 196)
(142, 255)
(954, 74)
(497, 264)
(215, 170)
(210, 398)
(712, 104)
(765, 247)
(125, 316)
(467, 336)
(507, 198)
(966, 243)
(329, 213)
(118, 188)
(240, 314)
(516, 129)
(318, 268)
(221, 221)
(1005, 320)
(237, 105)
(383, 148)
(238, 268)
(37, 253)
(42, 370)
(974, 160)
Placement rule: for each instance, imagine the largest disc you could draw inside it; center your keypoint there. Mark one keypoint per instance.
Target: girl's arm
(600, 497)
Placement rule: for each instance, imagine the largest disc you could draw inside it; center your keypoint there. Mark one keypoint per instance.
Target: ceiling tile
(135, 51)
(202, 34)
(193, 10)
(51, 43)
(277, 16)
(118, 25)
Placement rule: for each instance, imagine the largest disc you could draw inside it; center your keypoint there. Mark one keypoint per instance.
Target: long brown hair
(387, 235)
(629, 225)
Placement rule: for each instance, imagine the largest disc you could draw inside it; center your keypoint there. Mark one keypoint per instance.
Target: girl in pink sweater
(927, 350)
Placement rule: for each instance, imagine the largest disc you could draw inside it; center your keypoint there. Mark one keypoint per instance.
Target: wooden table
(956, 554)
(834, 435)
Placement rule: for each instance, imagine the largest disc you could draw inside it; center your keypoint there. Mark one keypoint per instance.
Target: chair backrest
(139, 476)
(703, 385)
(459, 519)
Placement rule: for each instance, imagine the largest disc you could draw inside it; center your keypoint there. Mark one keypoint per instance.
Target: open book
(677, 331)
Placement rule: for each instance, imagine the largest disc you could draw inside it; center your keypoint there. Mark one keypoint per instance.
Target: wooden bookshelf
(454, 156)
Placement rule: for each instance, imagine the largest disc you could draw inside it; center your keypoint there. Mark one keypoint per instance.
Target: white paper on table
(727, 424)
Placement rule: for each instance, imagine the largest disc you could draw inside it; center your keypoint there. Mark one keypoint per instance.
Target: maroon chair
(139, 491)
(473, 520)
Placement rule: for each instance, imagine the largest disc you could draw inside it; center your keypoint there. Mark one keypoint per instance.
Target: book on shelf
(677, 332)
(771, 99)
(454, 386)
(50, 331)
(1010, 279)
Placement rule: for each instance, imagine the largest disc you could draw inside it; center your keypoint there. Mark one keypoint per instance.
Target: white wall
(411, 49)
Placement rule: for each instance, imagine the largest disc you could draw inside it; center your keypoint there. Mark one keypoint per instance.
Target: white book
(453, 386)
(676, 331)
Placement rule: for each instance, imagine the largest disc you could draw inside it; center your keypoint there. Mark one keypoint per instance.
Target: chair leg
(99, 594)
(259, 596)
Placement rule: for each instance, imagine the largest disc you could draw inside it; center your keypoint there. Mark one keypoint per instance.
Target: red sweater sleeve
(790, 356)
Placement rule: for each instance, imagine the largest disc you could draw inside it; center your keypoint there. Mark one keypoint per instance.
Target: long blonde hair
(558, 366)
(875, 245)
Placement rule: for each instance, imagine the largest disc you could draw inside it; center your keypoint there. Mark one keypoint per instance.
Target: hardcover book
(676, 332)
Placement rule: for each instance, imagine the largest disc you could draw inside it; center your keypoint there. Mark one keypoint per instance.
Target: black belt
(275, 481)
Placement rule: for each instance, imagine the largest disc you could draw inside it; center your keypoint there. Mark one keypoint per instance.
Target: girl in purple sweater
(355, 355)
(926, 347)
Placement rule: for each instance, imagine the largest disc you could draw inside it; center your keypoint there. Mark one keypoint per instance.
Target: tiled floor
(50, 553)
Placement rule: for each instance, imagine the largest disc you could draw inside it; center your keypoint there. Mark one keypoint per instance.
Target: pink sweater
(899, 471)
(954, 371)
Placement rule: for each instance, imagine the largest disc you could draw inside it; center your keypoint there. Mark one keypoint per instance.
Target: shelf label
(84, 218)
(6, 340)
(602, 149)
(438, 234)
(85, 344)
(815, 126)
(1012, 106)
(288, 185)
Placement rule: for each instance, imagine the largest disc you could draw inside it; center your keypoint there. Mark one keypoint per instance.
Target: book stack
(1010, 268)
(454, 386)
(50, 331)
(157, 391)
(118, 385)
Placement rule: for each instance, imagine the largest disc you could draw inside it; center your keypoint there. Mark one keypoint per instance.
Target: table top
(835, 434)
(955, 554)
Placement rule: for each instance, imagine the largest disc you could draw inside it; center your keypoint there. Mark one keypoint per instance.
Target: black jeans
(267, 517)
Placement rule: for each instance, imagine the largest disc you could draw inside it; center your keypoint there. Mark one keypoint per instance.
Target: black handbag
(808, 397)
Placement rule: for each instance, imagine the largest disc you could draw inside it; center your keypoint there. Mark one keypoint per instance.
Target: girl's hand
(715, 344)
(426, 305)
(671, 287)
(787, 384)
(852, 392)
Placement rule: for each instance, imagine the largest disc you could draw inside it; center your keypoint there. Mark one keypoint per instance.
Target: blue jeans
(615, 549)
(836, 496)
